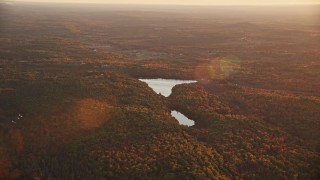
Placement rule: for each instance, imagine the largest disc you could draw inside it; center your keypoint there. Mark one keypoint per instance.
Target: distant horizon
(179, 2)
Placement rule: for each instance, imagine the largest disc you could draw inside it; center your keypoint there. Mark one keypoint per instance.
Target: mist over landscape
(206, 90)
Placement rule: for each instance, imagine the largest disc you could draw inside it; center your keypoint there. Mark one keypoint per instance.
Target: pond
(183, 120)
(164, 86)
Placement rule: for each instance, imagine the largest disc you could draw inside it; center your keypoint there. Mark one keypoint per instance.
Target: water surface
(164, 86)
(183, 120)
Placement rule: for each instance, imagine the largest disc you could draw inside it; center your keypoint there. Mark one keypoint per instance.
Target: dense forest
(72, 107)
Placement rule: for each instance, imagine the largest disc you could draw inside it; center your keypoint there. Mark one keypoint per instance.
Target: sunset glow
(188, 2)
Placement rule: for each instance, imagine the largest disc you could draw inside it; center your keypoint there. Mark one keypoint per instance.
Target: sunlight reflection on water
(183, 120)
(164, 86)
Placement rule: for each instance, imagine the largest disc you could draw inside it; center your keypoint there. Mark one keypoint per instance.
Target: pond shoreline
(164, 88)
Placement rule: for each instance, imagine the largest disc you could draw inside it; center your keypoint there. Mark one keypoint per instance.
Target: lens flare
(15, 139)
(217, 69)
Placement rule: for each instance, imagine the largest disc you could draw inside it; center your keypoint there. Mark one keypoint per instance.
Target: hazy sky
(188, 2)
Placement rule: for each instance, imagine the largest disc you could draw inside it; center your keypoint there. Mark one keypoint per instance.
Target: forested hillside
(72, 105)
